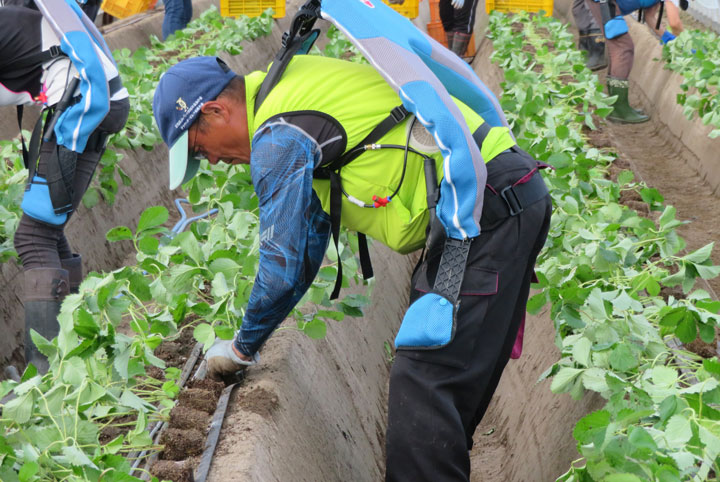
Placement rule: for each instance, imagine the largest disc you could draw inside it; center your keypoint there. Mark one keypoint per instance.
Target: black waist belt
(509, 200)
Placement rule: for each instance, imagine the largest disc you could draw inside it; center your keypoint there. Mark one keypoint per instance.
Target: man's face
(218, 140)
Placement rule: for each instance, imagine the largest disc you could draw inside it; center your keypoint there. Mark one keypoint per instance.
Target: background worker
(320, 109)
(590, 37)
(652, 17)
(458, 20)
(621, 50)
(178, 14)
(37, 68)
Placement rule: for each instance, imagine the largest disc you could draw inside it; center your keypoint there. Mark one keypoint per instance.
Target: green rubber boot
(622, 112)
(45, 288)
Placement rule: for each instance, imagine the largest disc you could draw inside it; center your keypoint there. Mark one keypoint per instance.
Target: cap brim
(182, 167)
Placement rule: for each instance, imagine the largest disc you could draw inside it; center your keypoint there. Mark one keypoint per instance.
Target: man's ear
(214, 111)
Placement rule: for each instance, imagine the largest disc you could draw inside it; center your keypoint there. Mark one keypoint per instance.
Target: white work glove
(222, 361)
(457, 4)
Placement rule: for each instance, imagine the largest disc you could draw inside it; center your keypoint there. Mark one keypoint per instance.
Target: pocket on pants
(428, 334)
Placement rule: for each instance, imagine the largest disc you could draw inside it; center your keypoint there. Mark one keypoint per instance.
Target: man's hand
(457, 4)
(223, 360)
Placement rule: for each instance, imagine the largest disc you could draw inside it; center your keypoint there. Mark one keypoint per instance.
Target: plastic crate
(125, 8)
(436, 31)
(518, 5)
(470, 52)
(251, 8)
(409, 8)
(434, 10)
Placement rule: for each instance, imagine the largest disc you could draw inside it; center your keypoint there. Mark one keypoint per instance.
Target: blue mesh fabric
(294, 230)
(427, 323)
(463, 177)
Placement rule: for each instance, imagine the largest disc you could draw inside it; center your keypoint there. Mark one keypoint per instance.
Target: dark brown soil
(188, 418)
(198, 399)
(211, 386)
(110, 432)
(181, 444)
(169, 351)
(705, 350)
(177, 471)
(184, 437)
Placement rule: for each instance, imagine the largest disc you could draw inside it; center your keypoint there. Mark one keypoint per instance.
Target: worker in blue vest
(56, 58)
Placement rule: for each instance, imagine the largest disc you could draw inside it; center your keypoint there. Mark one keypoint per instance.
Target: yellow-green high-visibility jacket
(320, 109)
(339, 103)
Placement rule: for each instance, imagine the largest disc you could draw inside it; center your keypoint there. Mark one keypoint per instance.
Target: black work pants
(438, 396)
(42, 245)
(460, 20)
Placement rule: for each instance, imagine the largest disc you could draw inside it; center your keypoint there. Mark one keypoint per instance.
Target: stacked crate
(517, 5)
(409, 8)
(125, 8)
(251, 8)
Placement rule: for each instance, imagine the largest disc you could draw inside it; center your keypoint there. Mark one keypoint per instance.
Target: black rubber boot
(460, 43)
(45, 289)
(622, 112)
(583, 41)
(75, 271)
(595, 46)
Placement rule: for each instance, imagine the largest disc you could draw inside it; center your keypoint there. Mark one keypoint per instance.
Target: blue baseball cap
(179, 95)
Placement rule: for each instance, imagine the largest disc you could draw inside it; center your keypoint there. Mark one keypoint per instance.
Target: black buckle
(399, 113)
(285, 38)
(513, 202)
(55, 51)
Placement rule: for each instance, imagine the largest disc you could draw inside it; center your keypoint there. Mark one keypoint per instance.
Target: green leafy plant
(12, 186)
(695, 55)
(605, 270)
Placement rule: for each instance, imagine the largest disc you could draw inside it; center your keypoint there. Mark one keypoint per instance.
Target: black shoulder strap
(659, 15)
(397, 115)
(30, 155)
(20, 109)
(299, 39)
(38, 58)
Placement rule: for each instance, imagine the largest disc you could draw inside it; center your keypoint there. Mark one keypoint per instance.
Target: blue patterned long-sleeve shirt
(294, 229)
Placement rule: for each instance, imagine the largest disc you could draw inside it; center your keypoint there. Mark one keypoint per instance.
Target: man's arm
(673, 17)
(294, 230)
